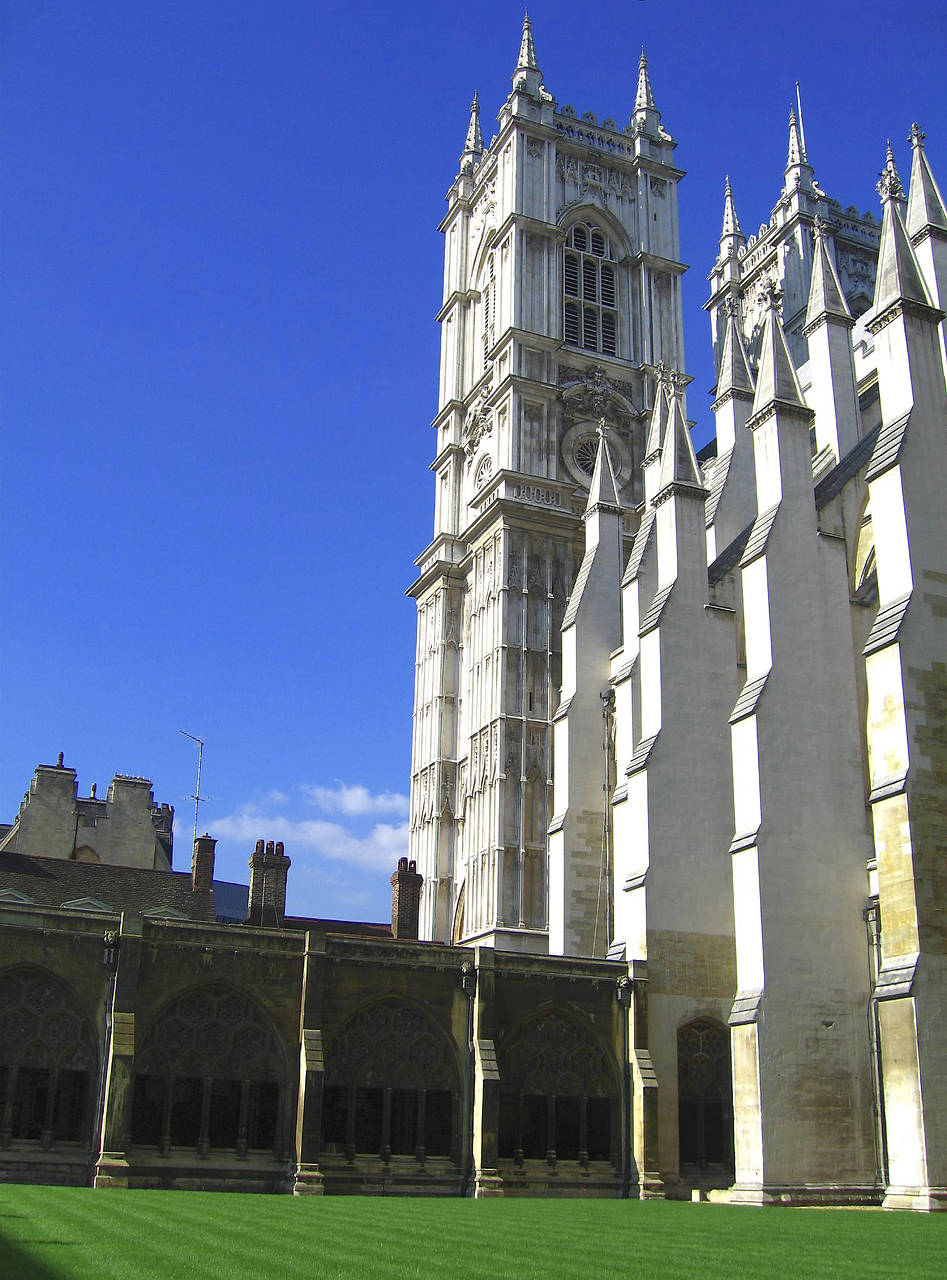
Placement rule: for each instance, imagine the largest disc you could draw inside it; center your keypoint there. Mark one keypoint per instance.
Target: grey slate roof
(887, 625)
(835, 480)
(53, 882)
(889, 441)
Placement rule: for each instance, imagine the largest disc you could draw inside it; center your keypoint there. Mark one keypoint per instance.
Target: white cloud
(378, 850)
(355, 801)
(277, 797)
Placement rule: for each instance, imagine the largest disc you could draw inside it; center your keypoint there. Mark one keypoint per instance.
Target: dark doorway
(705, 1095)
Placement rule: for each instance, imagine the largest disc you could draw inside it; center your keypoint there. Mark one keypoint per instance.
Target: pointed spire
(776, 377)
(659, 413)
(889, 180)
(798, 171)
(731, 223)
(734, 372)
(825, 291)
(603, 491)
(925, 202)
(473, 145)
(678, 462)
(732, 238)
(527, 58)
(899, 277)
(527, 77)
(797, 151)
(644, 98)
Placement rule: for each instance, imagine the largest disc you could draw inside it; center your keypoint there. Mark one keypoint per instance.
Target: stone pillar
(111, 1168)
(486, 1084)
(644, 1088)
(405, 900)
(308, 1179)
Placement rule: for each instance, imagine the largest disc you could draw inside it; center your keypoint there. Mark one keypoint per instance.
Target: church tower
(561, 296)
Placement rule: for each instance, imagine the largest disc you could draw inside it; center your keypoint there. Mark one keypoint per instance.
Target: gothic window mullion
(166, 1114)
(550, 1127)
(203, 1139)
(241, 1146)
(350, 1125)
(583, 1130)
(52, 1083)
(420, 1150)
(386, 1124)
(6, 1123)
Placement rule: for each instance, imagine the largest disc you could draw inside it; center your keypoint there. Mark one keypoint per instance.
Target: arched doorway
(704, 1094)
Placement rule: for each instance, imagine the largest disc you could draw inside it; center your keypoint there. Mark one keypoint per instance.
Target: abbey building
(690, 713)
(673, 918)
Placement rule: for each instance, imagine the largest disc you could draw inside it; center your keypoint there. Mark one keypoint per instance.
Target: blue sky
(220, 272)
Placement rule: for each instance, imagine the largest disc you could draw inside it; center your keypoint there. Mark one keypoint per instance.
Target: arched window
(210, 1073)
(48, 1060)
(704, 1094)
(391, 1085)
(590, 289)
(559, 1098)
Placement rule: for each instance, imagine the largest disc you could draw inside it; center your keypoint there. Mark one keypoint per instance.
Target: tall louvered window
(590, 288)
(488, 302)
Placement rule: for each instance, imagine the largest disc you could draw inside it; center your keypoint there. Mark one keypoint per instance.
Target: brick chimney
(268, 870)
(202, 863)
(405, 900)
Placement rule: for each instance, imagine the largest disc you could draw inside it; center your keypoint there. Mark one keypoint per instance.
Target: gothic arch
(704, 1093)
(391, 1042)
(559, 1090)
(392, 1085)
(212, 1030)
(211, 1071)
(582, 210)
(49, 1059)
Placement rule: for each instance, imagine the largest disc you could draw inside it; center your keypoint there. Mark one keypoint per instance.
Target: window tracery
(391, 1085)
(704, 1093)
(48, 1060)
(558, 1096)
(210, 1072)
(590, 290)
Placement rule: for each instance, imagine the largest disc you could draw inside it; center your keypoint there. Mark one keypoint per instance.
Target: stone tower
(561, 296)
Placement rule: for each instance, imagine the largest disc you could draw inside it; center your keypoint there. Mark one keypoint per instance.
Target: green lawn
(49, 1233)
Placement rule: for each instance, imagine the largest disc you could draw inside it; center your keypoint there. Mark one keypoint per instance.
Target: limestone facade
(744, 760)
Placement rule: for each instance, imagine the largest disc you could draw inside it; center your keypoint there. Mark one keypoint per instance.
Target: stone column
(644, 1088)
(111, 1168)
(486, 1111)
(308, 1179)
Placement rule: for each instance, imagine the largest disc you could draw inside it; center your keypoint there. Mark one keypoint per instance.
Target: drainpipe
(468, 984)
(623, 994)
(872, 917)
(110, 945)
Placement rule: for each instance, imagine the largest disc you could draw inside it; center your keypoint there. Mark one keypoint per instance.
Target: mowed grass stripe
(74, 1234)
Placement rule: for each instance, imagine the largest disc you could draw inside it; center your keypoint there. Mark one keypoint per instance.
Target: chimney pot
(259, 846)
(279, 848)
(405, 900)
(269, 848)
(202, 864)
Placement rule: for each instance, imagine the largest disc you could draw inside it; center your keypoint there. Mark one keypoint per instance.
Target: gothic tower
(561, 296)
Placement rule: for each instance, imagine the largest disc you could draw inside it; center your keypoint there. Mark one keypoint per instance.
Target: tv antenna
(196, 797)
